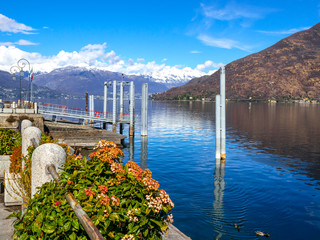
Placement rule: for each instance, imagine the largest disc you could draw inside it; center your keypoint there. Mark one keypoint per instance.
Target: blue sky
(192, 37)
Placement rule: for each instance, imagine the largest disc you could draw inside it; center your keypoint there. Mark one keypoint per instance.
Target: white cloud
(217, 42)
(20, 42)
(208, 65)
(163, 60)
(11, 26)
(96, 56)
(195, 52)
(25, 42)
(234, 11)
(285, 32)
(140, 60)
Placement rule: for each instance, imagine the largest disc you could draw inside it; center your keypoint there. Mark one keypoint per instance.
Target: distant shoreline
(242, 100)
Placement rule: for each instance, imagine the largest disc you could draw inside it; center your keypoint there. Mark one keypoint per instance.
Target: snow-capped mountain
(172, 78)
(78, 80)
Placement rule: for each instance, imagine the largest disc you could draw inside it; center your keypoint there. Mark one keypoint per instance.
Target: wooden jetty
(80, 135)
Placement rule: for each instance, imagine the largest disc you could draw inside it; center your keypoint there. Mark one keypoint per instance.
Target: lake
(270, 181)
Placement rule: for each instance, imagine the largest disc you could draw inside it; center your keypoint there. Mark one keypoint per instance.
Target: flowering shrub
(8, 140)
(22, 186)
(124, 202)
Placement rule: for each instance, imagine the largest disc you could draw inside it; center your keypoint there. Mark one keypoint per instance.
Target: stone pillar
(25, 124)
(45, 155)
(30, 136)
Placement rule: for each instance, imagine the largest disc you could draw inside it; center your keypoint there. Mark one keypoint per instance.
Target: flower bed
(124, 202)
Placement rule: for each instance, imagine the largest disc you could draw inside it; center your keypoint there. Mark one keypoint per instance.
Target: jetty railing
(64, 111)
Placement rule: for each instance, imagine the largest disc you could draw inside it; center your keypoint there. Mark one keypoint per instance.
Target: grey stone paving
(175, 234)
(6, 228)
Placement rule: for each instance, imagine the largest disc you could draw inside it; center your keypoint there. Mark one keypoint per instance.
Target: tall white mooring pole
(114, 107)
(221, 118)
(144, 110)
(223, 112)
(105, 100)
(131, 125)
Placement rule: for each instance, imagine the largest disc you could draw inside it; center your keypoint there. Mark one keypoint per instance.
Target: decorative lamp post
(13, 71)
(22, 63)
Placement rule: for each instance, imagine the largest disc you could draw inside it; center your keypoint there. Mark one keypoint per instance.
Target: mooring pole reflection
(144, 152)
(131, 148)
(218, 192)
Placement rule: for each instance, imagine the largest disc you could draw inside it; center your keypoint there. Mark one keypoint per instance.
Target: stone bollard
(30, 136)
(45, 155)
(25, 124)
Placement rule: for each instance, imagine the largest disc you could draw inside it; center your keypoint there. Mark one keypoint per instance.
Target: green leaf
(67, 226)
(48, 228)
(106, 224)
(33, 237)
(114, 217)
(143, 222)
(164, 227)
(148, 210)
(75, 224)
(135, 228)
(39, 218)
(156, 222)
(73, 236)
(19, 226)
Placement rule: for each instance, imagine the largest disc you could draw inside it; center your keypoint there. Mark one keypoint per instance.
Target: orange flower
(103, 188)
(89, 192)
(105, 200)
(115, 201)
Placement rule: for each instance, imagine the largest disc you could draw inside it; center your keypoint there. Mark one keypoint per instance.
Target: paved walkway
(175, 234)
(6, 228)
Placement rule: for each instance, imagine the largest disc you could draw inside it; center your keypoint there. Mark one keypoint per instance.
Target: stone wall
(12, 120)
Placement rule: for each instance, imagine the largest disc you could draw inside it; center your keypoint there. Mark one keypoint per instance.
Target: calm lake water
(270, 181)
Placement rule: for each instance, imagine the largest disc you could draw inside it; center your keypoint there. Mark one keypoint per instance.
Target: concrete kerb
(43, 156)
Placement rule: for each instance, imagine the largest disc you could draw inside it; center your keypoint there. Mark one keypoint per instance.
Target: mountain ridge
(78, 80)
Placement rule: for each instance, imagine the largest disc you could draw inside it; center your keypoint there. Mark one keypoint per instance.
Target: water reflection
(144, 152)
(218, 192)
(131, 148)
(289, 130)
